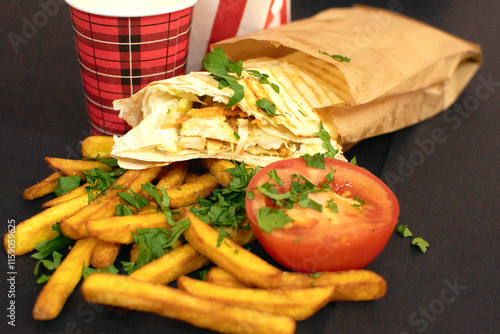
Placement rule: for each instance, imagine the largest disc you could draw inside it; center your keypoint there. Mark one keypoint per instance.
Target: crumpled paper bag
(401, 71)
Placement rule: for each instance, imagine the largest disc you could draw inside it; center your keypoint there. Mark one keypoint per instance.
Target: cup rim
(121, 11)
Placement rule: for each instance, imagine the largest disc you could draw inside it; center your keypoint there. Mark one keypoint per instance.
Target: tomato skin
(312, 243)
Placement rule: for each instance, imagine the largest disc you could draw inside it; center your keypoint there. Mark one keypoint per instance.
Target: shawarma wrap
(187, 117)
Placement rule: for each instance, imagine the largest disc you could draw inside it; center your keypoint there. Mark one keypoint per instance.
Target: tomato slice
(341, 224)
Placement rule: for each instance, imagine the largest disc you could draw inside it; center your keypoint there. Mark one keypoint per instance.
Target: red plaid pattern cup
(123, 47)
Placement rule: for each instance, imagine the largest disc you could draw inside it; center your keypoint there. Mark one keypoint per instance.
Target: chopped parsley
(100, 181)
(111, 269)
(269, 219)
(267, 106)
(226, 206)
(220, 67)
(65, 184)
(264, 79)
(325, 137)
(51, 247)
(134, 199)
(404, 230)
(420, 243)
(336, 57)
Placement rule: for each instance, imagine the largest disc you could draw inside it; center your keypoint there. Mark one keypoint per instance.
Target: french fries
(51, 299)
(351, 285)
(246, 266)
(119, 229)
(69, 167)
(38, 228)
(241, 294)
(97, 146)
(42, 188)
(123, 291)
(299, 304)
(74, 227)
(189, 193)
(217, 167)
(169, 267)
(67, 196)
(104, 254)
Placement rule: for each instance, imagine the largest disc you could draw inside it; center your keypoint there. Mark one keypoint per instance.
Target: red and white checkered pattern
(121, 55)
(215, 20)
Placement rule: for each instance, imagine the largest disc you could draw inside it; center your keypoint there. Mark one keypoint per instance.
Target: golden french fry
(104, 254)
(124, 291)
(189, 193)
(299, 304)
(51, 299)
(246, 266)
(350, 285)
(217, 275)
(70, 167)
(74, 227)
(191, 177)
(175, 175)
(169, 267)
(65, 197)
(42, 188)
(217, 167)
(118, 229)
(94, 146)
(29, 233)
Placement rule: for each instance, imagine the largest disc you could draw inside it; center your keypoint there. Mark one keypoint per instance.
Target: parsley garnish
(100, 180)
(264, 79)
(421, 243)
(404, 230)
(267, 106)
(336, 57)
(220, 67)
(50, 247)
(359, 204)
(269, 219)
(316, 161)
(111, 269)
(325, 137)
(134, 199)
(66, 184)
(226, 206)
(332, 206)
(353, 161)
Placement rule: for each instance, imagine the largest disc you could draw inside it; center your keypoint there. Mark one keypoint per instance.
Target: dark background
(449, 198)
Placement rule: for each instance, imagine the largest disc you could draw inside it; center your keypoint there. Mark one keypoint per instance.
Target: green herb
(336, 57)
(332, 206)
(302, 113)
(203, 274)
(316, 161)
(49, 265)
(404, 230)
(66, 184)
(273, 175)
(269, 219)
(134, 199)
(220, 67)
(100, 181)
(360, 203)
(421, 243)
(264, 79)
(123, 210)
(226, 206)
(111, 162)
(154, 243)
(221, 237)
(353, 161)
(298, 240)
(315, 275)
(111, 269)
(268, 107)
(325, 137)
(47, 247)
(236, 135)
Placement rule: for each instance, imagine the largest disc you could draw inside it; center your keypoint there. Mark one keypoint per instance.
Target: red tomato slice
(315, 241)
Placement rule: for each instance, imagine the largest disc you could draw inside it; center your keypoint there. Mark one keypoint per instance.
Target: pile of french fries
(241, 292)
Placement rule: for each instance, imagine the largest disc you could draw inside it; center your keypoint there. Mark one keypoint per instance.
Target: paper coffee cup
(125, 44)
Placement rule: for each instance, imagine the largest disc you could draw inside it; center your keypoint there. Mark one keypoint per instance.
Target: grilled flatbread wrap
(185, 117)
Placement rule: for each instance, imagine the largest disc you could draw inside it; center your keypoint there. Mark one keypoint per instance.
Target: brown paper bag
(401, 71)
